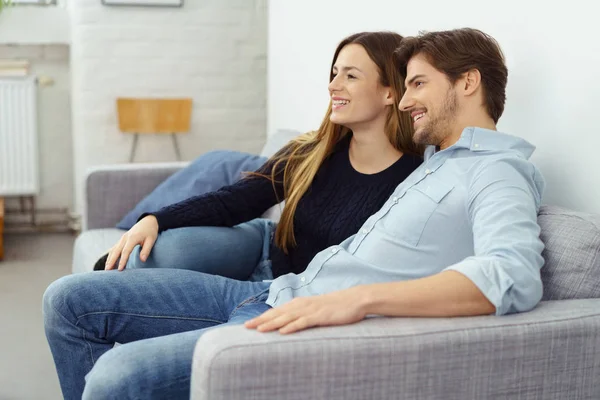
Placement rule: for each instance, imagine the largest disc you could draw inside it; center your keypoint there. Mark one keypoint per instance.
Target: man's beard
(439, 127)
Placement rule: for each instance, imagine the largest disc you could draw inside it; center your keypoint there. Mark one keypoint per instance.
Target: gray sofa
(552, 352)
(111, 191)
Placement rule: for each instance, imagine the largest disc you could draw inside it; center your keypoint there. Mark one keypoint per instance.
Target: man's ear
(389, 97)
(471, 81)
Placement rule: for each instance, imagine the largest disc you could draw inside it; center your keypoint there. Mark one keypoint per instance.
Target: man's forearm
(447, 294)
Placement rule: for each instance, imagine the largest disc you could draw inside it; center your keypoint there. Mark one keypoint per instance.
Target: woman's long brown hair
(304, 155)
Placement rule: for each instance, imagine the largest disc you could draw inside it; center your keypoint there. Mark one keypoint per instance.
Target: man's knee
(57, 299)
(67, 297)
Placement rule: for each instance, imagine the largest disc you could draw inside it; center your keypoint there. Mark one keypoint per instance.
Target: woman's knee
(230, 252)
(165, 252)
(134, 260)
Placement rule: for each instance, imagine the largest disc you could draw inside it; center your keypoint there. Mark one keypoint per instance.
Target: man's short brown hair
(458, 51)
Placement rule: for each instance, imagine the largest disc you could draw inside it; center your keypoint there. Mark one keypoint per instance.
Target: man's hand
(338, 308)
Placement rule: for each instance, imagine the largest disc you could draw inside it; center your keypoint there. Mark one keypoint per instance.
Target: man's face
(431, 101)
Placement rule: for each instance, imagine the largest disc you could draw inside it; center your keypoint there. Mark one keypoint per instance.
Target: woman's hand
(143, 233)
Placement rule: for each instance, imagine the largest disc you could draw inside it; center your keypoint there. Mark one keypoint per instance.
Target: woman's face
(358, 100)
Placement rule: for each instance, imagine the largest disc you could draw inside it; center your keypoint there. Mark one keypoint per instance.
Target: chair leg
(133, 147)
(176, 147)
(33, 211)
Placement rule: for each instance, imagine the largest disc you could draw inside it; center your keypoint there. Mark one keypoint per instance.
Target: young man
(458, 237)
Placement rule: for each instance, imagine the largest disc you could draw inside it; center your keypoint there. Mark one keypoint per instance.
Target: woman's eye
(418, 83)
(350, 76)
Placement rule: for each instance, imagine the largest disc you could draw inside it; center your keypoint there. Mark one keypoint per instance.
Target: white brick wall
(54, 124)
(213, 51)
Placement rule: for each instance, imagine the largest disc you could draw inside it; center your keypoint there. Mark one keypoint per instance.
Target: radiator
(19, 170)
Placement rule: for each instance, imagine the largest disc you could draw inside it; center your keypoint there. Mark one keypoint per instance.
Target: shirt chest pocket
(407, 218)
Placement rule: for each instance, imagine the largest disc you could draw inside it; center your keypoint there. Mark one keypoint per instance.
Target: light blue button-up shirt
(470, 208)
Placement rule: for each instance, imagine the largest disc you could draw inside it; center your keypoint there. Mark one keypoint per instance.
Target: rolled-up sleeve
(504, 199)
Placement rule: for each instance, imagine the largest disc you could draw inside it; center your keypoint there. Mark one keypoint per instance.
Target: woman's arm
(242, 201)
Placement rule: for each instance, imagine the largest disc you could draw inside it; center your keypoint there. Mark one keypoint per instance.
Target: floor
(31, 262)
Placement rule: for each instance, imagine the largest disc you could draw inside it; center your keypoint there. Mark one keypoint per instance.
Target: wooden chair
(157, 116)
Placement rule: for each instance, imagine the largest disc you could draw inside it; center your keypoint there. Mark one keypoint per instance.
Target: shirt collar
(485, 140)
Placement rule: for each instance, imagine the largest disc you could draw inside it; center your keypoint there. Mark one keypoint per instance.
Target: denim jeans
(157, 315)
(241, 252)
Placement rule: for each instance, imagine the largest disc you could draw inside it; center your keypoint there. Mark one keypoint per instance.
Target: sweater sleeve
(240, 202)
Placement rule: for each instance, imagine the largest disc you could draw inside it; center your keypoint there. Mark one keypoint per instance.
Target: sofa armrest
(112, 191)
(551, 352)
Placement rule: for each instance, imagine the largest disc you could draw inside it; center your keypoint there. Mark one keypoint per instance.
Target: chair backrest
(138, 115)
(572, 253)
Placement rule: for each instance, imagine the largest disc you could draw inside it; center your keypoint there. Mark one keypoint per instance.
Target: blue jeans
(156, 314)
(241, 252)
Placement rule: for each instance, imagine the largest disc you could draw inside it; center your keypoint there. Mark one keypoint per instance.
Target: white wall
(40, 34)
(30, 24)
(552, 52)
(54, 121)
(212, 51)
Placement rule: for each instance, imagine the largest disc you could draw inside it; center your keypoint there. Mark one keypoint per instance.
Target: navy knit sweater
(335, 206)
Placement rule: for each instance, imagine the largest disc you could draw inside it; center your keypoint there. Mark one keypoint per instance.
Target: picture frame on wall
(144, 3)
(34, 2)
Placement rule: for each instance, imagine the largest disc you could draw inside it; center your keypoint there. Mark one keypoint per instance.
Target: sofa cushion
(572, 254)
(91, 245)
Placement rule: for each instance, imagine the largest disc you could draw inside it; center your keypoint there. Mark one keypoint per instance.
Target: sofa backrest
(572, 253)
(277, 140)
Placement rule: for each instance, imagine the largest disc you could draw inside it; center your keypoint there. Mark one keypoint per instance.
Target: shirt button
(335, 250)
(476, 145)
(427, 171)
(302, 279)
(365, 231)
(395, 199)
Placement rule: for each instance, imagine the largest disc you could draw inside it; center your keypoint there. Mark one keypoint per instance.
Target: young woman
(331, 180)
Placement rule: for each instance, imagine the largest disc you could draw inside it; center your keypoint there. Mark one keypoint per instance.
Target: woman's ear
(389, 97)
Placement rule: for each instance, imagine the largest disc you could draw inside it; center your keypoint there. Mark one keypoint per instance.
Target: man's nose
(406, 102)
